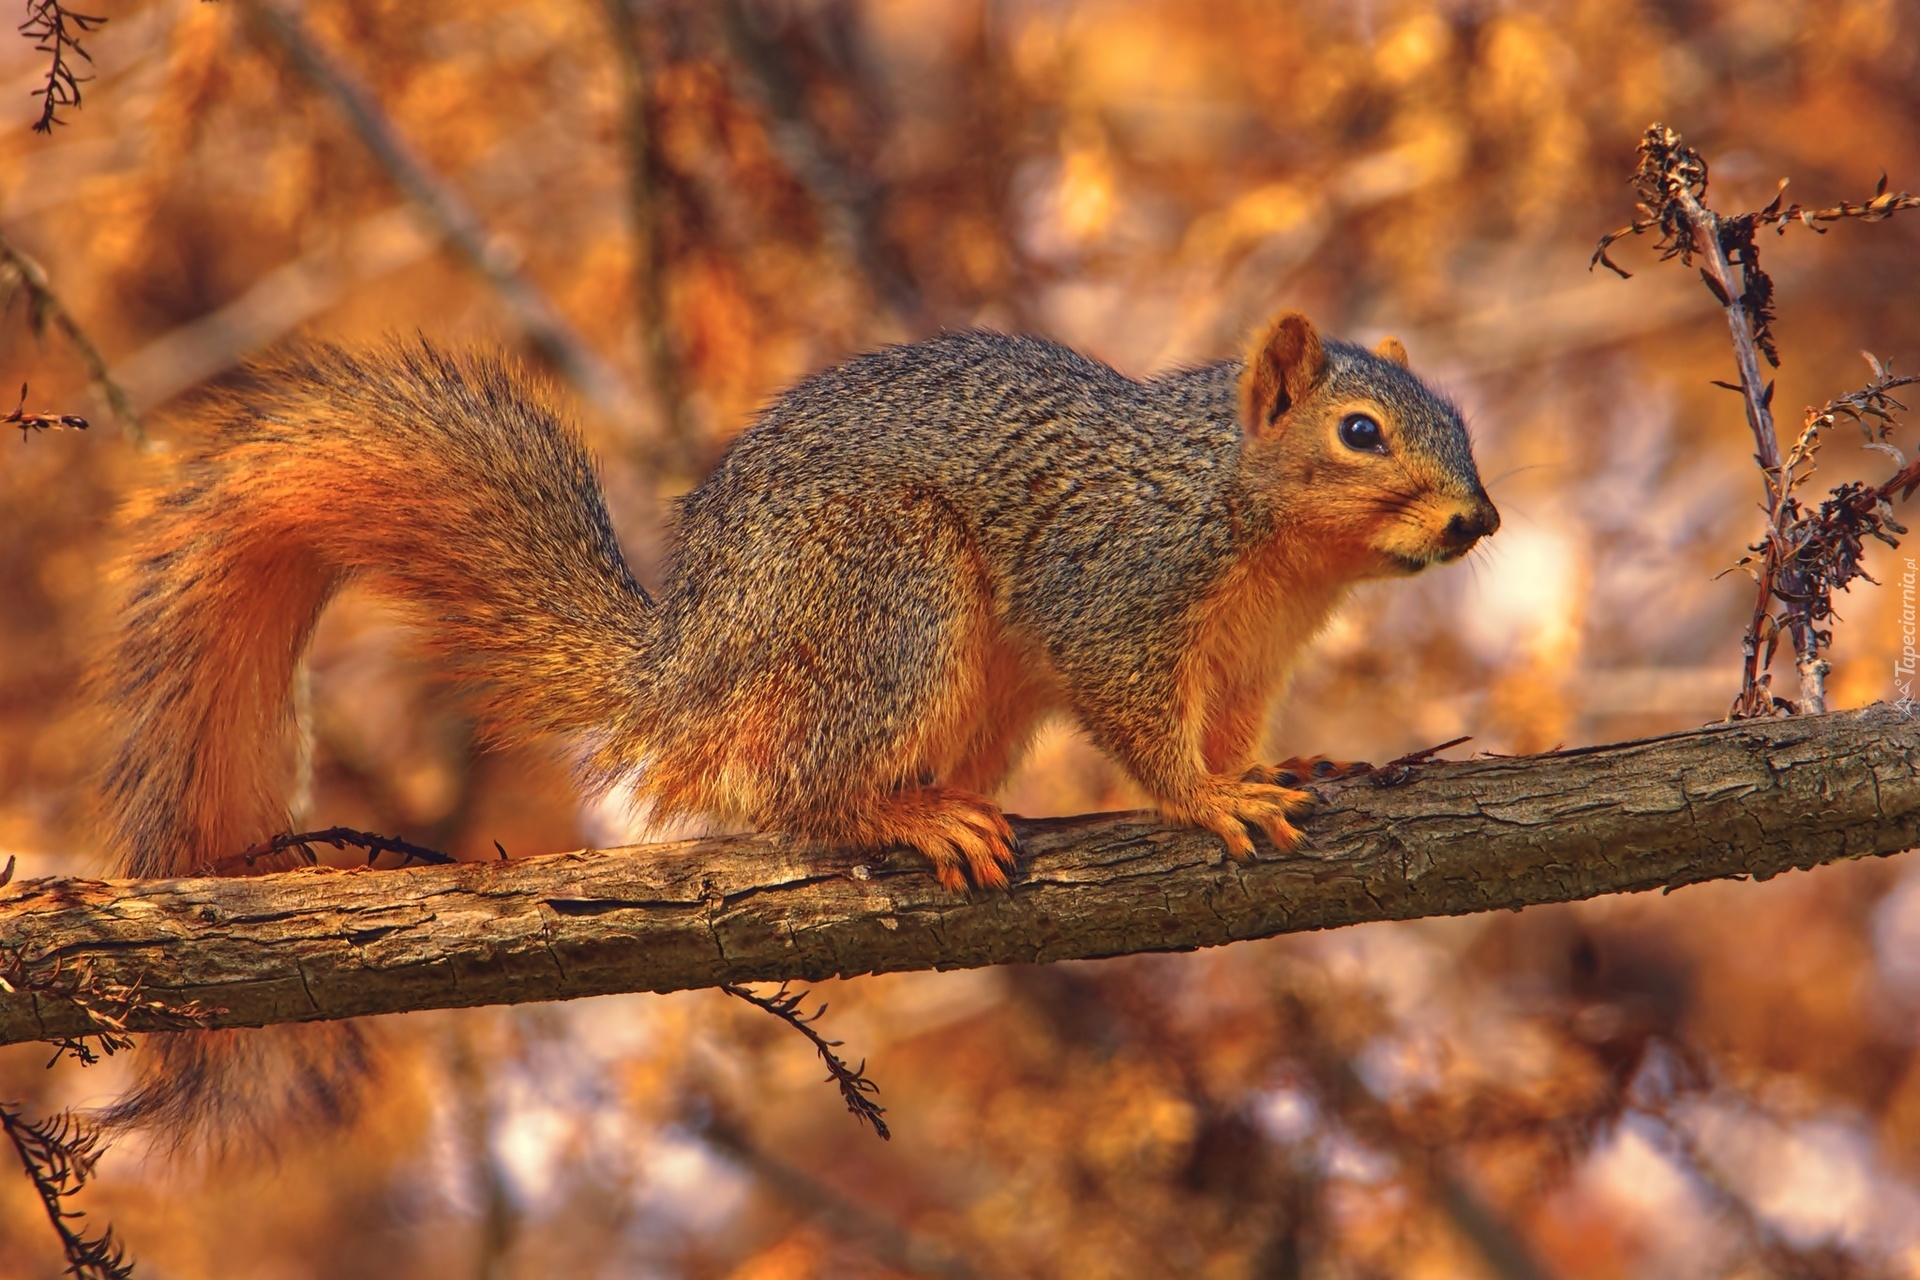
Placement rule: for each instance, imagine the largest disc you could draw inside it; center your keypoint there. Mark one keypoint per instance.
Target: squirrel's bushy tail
(443, 484)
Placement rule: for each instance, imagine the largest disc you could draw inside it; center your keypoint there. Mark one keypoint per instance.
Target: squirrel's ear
(1282, 369)
(1393, 349)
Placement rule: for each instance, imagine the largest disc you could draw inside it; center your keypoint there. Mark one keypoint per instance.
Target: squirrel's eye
(1358, 431)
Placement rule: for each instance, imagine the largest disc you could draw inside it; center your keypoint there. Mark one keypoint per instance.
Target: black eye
(1358, 431)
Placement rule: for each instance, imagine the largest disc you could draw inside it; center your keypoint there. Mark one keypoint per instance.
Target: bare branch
(1337, 1084)
(275, 304)
(59, 1155)
(849, 200)
(537, 317)
(1750, 798)
(56, 31)
(32, 422)
(1803, 557)
(855, 1088)
(893, 1246)
(18, 272)
(679, 445)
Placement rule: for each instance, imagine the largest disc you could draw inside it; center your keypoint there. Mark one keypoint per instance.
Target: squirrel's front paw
(1296, 770)
(1227, 808)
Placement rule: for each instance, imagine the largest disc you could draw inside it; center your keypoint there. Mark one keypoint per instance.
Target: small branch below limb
(58, 1155)
(855, 1088)
(57, 31)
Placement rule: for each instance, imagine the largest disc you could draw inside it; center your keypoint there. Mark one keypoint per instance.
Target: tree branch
(1750, 798)
(18, 271)
(679, 450)
(1794, 561)
(463, 228)
(849, 200)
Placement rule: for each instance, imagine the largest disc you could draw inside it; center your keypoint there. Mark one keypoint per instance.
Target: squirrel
(890, 579)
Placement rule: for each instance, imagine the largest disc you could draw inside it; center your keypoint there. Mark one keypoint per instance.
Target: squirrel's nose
(1465, 528)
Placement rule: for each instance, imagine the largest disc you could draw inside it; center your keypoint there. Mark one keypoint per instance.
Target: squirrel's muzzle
(1464, 528)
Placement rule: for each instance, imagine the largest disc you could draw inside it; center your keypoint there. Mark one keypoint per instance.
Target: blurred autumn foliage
(716, 198)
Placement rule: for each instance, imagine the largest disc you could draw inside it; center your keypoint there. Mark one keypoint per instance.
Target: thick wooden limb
(1753, 798)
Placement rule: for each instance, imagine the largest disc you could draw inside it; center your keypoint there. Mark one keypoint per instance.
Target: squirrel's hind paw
(965, 837)
(1228, 808)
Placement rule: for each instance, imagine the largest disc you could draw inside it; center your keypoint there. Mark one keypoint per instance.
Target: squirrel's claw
(1298, 770)
(1227, 808)
(984, 843)
(965, 837)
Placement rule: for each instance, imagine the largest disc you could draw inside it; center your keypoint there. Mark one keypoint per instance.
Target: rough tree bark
(1753, 798)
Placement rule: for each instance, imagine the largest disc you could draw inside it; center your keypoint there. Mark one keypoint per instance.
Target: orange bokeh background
(1717, 1082)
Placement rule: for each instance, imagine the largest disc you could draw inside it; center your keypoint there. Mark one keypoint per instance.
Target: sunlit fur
(442, 483)
(888, 583)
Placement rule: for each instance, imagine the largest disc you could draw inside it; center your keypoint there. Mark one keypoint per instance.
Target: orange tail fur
(446, 486)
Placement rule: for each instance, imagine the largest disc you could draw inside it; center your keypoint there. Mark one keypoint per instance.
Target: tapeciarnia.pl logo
(1904, 665)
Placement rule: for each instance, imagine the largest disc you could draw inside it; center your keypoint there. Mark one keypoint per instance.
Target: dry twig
(56, 31)
(1820, 549)
(1803, 557)
(59, 1155)
(302, 842)
(855, 1087)
(21, 274)
(32, 422)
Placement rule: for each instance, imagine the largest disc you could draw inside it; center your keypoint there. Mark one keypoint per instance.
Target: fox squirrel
(886, 584)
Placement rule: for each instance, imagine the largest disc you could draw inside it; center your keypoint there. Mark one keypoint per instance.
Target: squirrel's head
(1355, 451)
